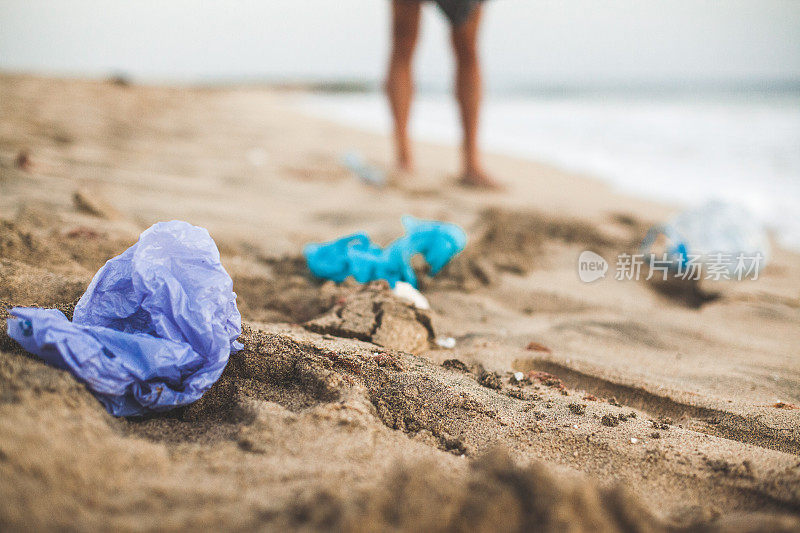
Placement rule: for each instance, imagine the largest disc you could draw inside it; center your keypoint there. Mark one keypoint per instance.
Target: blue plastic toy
(153, 331)
(355, 255)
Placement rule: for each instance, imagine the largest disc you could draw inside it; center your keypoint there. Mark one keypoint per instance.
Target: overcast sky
(526, 42)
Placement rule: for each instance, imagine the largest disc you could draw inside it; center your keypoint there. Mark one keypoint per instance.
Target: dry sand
(642, 407)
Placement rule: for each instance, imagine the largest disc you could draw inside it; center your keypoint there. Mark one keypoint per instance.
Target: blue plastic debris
(153, 331)
(355, 255)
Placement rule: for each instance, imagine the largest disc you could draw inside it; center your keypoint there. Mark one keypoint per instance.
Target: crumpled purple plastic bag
(153, 331)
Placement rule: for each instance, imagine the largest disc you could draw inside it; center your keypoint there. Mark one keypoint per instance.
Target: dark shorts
(458, 11)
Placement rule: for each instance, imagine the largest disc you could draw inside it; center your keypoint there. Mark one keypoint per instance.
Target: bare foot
(480, 180)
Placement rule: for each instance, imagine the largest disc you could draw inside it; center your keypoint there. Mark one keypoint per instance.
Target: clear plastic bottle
(716, 232)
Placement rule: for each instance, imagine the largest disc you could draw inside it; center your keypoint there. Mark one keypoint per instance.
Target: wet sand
(641, 408)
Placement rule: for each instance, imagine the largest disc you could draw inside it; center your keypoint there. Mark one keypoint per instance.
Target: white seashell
(406, 291)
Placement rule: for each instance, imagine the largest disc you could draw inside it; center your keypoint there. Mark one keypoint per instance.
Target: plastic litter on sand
(355, 255)
(367, 173)
(706, 232)
(153, 331)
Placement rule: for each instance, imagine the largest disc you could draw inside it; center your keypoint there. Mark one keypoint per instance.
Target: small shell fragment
(406, 291)
(446, 342)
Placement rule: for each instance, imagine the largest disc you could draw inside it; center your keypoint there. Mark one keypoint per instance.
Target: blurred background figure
(465, 19)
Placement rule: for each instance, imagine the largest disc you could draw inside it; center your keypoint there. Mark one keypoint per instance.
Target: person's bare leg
(469, 93)
(399, 82)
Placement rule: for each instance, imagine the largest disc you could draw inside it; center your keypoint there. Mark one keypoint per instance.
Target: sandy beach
(642, 407)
